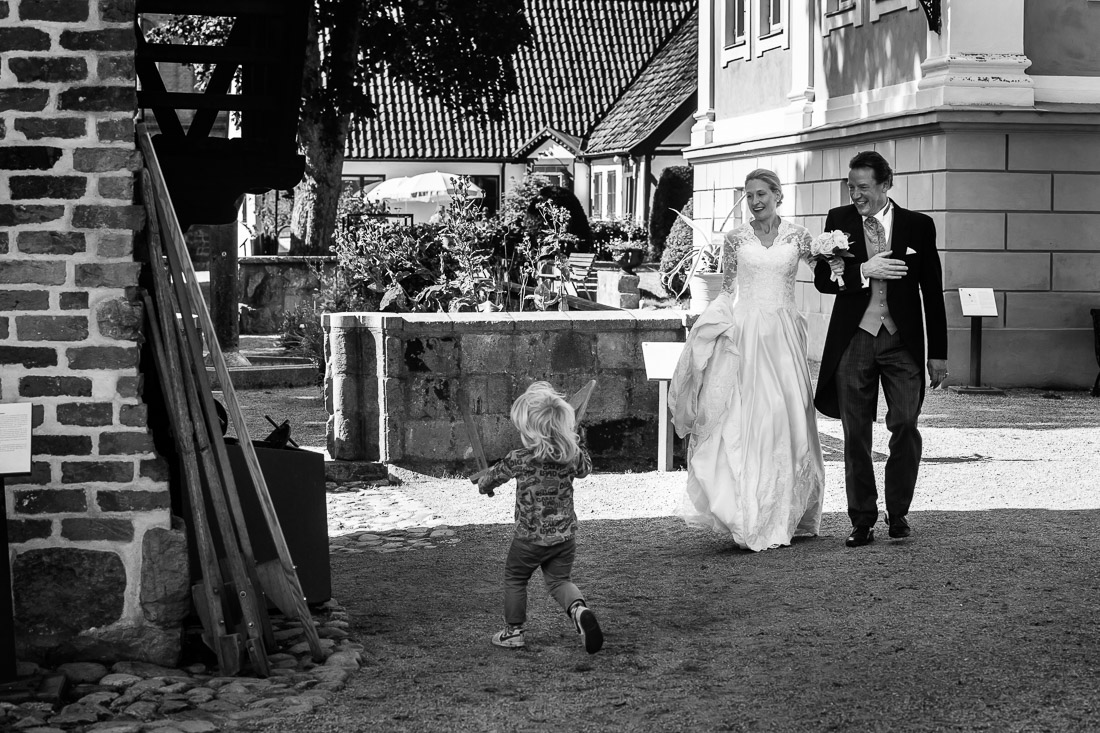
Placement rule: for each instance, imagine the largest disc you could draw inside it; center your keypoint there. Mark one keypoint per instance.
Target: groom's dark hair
(879, 167)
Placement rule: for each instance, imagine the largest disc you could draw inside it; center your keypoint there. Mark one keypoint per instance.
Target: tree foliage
(674, 189)
(457, 51)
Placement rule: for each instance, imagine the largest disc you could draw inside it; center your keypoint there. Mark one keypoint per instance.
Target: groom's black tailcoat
(922, 284)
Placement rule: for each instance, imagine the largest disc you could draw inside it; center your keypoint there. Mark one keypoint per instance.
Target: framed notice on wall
(15, 438)
(978, 302)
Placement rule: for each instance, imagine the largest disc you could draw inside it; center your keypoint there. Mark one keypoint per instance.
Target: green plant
(679, 247)
(674, 190)
(611, 236)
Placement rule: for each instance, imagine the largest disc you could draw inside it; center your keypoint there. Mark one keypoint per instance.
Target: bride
(741, 392)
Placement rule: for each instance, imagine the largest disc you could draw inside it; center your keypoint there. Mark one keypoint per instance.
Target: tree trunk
(323, 132)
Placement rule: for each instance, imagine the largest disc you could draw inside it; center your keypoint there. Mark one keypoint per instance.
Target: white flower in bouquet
(829, 246)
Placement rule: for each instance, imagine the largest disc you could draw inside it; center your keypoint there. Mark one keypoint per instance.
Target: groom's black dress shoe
(860, 536)
(899, 528)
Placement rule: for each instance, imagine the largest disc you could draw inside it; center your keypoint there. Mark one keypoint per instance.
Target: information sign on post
(977, 303)
(660, 362)
(15, 458)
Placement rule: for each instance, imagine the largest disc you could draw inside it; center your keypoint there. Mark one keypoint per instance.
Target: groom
(876, 335)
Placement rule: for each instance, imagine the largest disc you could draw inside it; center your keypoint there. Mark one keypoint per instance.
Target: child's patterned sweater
(544, 494)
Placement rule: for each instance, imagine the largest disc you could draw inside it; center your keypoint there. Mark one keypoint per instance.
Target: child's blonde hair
(546, 423)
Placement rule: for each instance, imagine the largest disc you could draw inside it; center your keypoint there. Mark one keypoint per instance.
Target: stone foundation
(391, 380)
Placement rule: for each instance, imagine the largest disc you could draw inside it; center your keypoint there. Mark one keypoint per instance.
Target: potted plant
(628, 253)
(699, 269)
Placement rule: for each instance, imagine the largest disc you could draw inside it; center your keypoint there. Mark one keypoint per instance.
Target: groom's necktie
(877, 315)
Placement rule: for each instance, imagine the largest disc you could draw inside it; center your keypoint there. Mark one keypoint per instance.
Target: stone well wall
(268, 287)
(391, 380)
(98, 569)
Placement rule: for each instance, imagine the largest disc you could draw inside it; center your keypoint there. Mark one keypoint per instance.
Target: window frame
(848, 13)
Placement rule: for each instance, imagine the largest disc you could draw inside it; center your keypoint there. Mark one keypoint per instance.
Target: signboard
(660, 358)
(978, 301)
(15, 438)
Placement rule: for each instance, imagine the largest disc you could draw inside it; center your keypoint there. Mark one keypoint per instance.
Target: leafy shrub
(608, 233)
(678, 245)
(578, 225)
(674, 190)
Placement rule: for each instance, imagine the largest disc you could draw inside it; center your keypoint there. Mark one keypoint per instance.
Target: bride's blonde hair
(546, 423)
(769, 178)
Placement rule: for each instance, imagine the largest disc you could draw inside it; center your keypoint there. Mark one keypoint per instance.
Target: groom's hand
(937, 371)
(884, 267)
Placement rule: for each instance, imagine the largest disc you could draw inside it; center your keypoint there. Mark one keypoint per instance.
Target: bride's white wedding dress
(742, 392)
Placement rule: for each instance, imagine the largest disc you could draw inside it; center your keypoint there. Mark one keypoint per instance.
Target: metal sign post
(977, 303)
(15, 459)
(7, 612)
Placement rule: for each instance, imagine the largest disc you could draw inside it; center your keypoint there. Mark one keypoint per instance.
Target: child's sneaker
(588, 627)
(510, 637)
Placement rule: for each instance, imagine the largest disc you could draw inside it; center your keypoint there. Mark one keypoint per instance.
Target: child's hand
(483, 486)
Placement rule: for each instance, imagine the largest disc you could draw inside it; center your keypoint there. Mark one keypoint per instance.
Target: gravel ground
(984, 620)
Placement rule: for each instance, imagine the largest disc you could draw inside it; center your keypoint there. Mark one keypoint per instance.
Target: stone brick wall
(391, 380)
(1016, 201)
(98, 570)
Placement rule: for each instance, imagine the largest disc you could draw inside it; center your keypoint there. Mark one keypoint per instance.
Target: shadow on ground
(984, 620)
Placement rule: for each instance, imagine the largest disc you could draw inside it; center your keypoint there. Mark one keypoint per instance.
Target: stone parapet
(391, 379)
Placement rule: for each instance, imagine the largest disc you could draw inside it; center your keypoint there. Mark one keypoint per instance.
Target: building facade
(988, 110)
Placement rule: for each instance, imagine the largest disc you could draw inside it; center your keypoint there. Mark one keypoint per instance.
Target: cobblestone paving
(368, 516)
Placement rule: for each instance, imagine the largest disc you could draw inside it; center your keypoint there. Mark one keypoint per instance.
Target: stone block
(165, 577)
(604, 321)
(919, 191)
(120, 319)
(49, 501)
(498, 436)
(41, 474)
(1049, 151)
(61, 445)
(613, 390)
(1076, 271)
(617, 350)
(972, 230)
(485, 353)
(54, 11)
(438, 355)
(1035, 358)
(129, 386)
(431, 439)
(125, 443)
(500, 392)
(999, 191)
(66, 590)
(52, 328)
(29, 157)
(106, 160)
(572, 351)
(116, 11)
(831, 165)
(115, 131)
(115, 67)
(132, 501)
(114, 275)
(939, 191)
(428, 396)
(113, 472)
(50, 242)
(24, 100)
(154, 469)
(977, 151)
(63, 128)
(32, 272)
(135, 416)
(25, 530)
(117, 187)
(114, 244)
(531, 350)
(1076, 192)
(47, 70)
(822, 194)
(103, 357)
(97, 529)
(906, 155)
(111, 39)
(25, 38)
(1053, 231)
(933, 153)
(85, 414)
(24, 300)
(998, 270)
(35, 386)
(1050, 310)
(94, 216)
(70, 301)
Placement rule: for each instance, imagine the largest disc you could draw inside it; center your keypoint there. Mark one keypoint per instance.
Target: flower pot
(704, 287)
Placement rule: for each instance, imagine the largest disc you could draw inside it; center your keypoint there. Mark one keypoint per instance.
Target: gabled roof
(584, 55)
(572, 143)
(664, 87)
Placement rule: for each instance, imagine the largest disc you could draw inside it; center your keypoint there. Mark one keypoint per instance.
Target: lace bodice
(764, 276)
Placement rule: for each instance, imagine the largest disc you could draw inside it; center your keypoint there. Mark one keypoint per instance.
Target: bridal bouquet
(829, 246)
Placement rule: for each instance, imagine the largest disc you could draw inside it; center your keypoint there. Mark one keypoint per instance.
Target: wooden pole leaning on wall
(207, 595)
(244, 587)
(280, 577)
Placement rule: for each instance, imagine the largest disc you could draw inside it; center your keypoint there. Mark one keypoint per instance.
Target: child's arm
(584, 461)
(497, 474)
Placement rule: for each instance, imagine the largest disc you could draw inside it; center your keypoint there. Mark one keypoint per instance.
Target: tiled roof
(584, 54)
(664, 86)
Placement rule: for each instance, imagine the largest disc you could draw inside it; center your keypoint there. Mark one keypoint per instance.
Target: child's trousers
(556, 562)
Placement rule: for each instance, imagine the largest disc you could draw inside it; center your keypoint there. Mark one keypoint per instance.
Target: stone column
(803, 29)
(351, 386)
(978, 59)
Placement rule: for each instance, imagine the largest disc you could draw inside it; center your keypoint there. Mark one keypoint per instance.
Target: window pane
(612, 194)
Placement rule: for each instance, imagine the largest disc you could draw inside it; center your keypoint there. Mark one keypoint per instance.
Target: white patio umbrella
(441, 188)
(391, 189)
